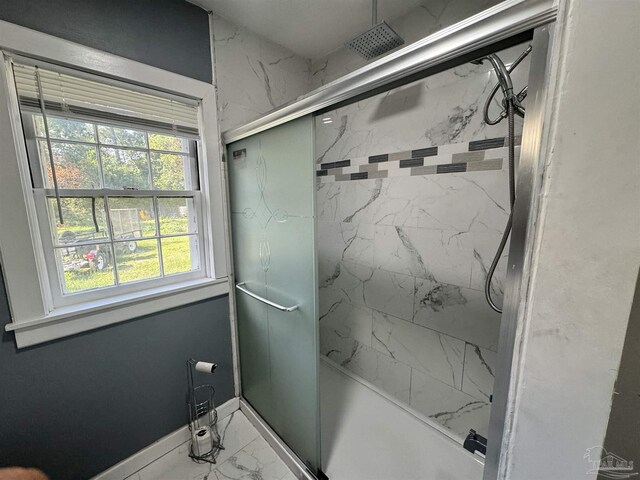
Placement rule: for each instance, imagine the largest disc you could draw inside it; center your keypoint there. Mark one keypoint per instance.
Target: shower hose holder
(203, 417)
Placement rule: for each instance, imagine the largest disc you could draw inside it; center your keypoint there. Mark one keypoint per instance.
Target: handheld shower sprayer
(512, 106)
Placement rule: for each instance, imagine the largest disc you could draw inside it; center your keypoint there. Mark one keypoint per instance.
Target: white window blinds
(102, 101)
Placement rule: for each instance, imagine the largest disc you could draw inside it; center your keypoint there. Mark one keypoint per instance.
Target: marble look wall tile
(347, 281)
(460, 312)
(439, 355)
(470, 201)
(391, 376)
(253, 75)
(479, 372)
(448, 406)
(356, 200)
(399, 202)
(345, 241)
(385, 373)
(348, 321)
(327, 196)
(390, 293)
(485, 246)
(440, 255)
(445, 108)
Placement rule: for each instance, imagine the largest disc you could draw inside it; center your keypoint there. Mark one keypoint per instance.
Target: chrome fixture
(379, 39)
(241, 286)
(512, 106)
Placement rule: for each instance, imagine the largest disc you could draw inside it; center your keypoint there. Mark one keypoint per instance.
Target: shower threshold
(366, 436)
(419, 416)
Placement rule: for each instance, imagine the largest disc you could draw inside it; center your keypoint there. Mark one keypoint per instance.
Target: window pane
(64, 129)
(122, 136)
(180, 254)
(168, 142)
(84, 220)
(125, 169)
(86, 267)
(132, 217)
(76, 165)
(137, 260)
(177, 215)
(171, 171)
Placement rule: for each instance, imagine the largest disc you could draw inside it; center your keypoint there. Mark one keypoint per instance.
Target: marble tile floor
(247, 456)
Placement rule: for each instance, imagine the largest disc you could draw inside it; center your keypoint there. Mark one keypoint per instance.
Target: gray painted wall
(169, 34)
(76, 406)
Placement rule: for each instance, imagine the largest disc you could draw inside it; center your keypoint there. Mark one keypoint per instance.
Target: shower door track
(496, 24)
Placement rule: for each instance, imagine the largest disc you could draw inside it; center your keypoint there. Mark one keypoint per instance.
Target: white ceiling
(310, 28)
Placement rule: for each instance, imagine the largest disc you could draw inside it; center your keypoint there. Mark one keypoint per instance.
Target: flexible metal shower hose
(512, 199)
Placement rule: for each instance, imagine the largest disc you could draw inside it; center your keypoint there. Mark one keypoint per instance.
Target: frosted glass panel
(272, 184)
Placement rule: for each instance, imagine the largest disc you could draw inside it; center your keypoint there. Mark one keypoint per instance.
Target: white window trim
(26, 284)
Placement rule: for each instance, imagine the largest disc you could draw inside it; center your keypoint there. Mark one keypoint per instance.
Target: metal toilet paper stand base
(203, 417)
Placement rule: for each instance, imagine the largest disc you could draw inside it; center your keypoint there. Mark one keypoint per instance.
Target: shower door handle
(241, 286)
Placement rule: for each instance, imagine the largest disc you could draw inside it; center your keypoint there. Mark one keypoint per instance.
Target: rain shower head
(376, 41)
(379, 39)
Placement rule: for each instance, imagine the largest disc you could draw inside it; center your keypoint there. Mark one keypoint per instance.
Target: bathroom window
(118, 194)
(129, 199)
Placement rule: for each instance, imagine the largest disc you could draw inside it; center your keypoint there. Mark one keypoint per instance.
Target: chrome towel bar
(241, 286)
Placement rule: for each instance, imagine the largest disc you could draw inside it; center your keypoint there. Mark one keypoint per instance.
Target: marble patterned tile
(459, 312)
(389, 375)
(174, 465)
(465, 202)
(347, 280)
(335, 346)
(399, 202)
(479, 372)
(327, 195)
(485, 246)
(348, 320)
(442, 255)
(253, 75)
(434, 353)
(448, 406)
(235, 433)
(290, 476)
(390, 292)
(356, 200)
(255, 461)
(345, 241)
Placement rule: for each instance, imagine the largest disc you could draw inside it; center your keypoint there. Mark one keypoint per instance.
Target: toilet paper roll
(205, 367)
(203, 442)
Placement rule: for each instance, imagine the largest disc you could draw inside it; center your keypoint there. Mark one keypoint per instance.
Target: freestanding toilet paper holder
(203, 417)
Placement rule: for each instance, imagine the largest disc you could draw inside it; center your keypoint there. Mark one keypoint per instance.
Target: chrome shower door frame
(529, 183)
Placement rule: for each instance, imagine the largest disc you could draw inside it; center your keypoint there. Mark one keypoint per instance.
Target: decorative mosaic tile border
(451, 158)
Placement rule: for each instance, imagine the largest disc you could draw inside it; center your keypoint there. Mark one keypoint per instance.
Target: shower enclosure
(364, 219)
(412, 199)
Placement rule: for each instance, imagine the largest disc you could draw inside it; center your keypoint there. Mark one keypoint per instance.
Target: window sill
(88, 316)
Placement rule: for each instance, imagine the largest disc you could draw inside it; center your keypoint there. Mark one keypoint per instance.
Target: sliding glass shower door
(272, 183)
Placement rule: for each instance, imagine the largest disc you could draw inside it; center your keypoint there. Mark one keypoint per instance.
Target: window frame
(36, 317)
(43, 192)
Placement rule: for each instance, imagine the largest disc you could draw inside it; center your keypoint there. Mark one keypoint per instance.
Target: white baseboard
(144, 457)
